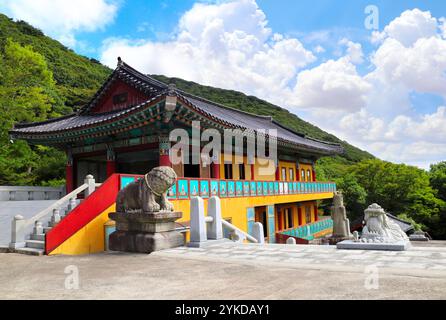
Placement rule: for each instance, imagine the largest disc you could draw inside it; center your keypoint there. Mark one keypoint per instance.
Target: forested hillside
(40, 79)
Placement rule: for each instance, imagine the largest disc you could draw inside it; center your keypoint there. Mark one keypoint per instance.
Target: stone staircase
(35, 245)
(44, 221)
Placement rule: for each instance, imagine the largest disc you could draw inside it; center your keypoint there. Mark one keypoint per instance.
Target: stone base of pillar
(333, 240)
(145, 233)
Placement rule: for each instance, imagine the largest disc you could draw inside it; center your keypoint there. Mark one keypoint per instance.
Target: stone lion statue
(148, 195)
(379, 228)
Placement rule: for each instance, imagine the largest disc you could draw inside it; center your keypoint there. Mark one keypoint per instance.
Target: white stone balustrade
(208, 229)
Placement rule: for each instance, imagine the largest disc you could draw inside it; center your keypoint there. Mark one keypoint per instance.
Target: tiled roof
(251, 121)
(76, 121)
(225, 115)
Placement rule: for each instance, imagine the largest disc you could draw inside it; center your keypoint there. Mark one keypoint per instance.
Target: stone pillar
(290, 241)
(257, 232)
(17, 232)
(164, 151)
(69, 173)
(89, 180)
(197, 222)
(215, 228)
(111, 161)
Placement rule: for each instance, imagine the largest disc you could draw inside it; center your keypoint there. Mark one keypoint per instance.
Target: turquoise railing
(185, 188)
(308, 231)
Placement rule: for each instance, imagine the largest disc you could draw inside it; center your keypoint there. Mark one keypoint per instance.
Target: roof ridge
(223, 106)
(142, 75)
(34, 124)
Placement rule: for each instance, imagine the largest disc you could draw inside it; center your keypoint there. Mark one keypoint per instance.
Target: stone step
(52, 225)
(47, 229)
(30, 251)
(40, 237)
(35, 244)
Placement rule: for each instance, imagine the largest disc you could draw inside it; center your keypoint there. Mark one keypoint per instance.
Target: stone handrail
(56, 205)
(234, 228)
(20, 225)
(29, 193)
(210, 227)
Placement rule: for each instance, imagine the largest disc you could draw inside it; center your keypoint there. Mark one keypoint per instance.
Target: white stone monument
(379, 233)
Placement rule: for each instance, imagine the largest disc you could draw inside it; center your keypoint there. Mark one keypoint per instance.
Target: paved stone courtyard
(229, 271)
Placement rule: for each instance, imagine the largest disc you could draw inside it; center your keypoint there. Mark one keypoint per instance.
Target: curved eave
(116, 121)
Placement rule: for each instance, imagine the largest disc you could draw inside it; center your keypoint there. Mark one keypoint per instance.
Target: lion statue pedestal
(145, 219)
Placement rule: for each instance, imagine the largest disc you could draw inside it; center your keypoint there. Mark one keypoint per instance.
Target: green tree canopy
(27, 94)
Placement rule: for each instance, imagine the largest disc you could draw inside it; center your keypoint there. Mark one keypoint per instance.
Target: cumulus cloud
(227, 44)
(333, 85)
(410, 26)
(61, 18)
(230, 45)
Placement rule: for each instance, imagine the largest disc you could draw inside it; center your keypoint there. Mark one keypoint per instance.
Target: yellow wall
(90, 239)
(287, 165)
(305, 167)
(235, 170)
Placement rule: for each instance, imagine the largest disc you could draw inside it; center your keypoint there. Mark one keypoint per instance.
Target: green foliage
(27, 93)
(402, 190)
(437, 177)
(355, 195)
(77, 77)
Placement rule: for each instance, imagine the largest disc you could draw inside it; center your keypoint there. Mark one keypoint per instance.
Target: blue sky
(382, 90)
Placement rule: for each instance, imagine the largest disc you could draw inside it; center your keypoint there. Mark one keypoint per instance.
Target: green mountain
(78, 77)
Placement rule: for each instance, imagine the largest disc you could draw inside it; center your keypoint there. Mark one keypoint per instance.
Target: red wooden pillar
(297, 172)
(111, 168)
(299, 215)
(69, 173)
(277, 173)
(215, 170)
(111, 161)
(253, 171)
(164, 151)
(316, 216)
(314, 174)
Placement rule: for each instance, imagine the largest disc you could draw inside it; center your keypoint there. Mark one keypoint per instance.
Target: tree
(437, 177)
(354, 195)
(27, 94)
(402, 190)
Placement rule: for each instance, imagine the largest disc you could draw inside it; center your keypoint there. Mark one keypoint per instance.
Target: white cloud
(333, 85)
(228, 45)
(410, 26)
(354, 51)
(61, 18)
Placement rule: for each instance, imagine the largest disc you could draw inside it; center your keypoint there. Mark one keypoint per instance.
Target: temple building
(123, 132)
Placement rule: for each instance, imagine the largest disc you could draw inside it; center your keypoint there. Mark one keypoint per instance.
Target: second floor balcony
(186, 188)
